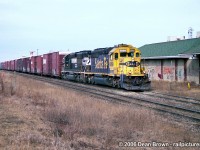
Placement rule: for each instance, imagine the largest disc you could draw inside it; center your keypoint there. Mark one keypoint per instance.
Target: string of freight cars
(118, 66)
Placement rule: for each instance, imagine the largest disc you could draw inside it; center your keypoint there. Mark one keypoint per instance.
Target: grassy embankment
(37, 115)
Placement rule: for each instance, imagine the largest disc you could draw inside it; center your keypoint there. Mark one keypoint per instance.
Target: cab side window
(116, 56)
(111, 57)
(137, 55)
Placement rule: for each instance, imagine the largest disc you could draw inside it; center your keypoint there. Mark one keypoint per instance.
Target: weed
(2, 82)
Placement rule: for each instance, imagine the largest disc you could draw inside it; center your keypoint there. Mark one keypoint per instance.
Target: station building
(173, 60)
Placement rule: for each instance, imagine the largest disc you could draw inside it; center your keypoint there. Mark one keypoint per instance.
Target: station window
(116, 56)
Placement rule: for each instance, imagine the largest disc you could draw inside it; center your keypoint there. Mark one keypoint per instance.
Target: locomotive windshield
(123, 54)
(131, 54)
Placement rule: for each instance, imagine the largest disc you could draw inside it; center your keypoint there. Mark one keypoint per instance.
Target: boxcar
(33, 64)
(2, 65)
(26, 64)
(19, 65)
(47, 64)
(12, 65)
(6, 65)
(39, 66)
(57, 64)
(36, 64)
(15, 64)
(9, 65)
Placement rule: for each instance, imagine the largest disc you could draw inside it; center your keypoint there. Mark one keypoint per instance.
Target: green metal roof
(171, 48)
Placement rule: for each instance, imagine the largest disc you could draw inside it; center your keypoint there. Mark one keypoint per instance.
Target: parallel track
(165, 105)
(174, 97)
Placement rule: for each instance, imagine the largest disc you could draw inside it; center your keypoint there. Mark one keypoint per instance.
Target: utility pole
(37, 52)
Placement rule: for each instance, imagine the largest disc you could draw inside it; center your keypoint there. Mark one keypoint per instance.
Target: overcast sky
(49, 25)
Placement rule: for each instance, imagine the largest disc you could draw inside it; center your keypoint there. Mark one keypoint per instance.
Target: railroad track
(174, 97)
(184, 107)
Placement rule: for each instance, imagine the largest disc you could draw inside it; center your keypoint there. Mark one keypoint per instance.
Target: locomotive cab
(125, 59)
(125, 63)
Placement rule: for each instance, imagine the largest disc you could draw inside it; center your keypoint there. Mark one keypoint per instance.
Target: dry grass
(169, 86)
(51, 117)
(177, 88)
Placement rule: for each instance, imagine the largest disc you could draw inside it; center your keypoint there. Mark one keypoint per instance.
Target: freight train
(118, 66)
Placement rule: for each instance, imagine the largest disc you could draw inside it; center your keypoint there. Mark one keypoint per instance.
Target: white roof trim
(189, 54)
(167, 57)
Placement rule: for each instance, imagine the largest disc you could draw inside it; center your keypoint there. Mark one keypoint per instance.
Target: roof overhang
(190, 54)
(167, 57)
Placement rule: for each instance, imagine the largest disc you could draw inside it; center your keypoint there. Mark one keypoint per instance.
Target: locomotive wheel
(118, 84)
(92, 80)
(114, 83)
